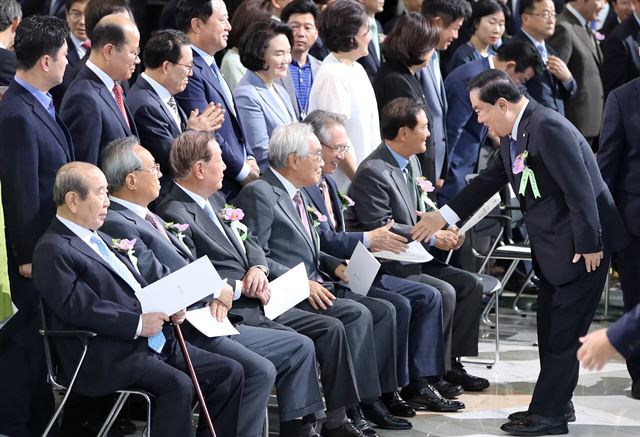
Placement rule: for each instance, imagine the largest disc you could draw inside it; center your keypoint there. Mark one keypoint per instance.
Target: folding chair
(54, 376)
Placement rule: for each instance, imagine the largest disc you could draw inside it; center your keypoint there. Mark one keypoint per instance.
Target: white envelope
(414, 254)
(181, 288)
(287, 291)
(361, 270)
(203, 321)
(480, 213)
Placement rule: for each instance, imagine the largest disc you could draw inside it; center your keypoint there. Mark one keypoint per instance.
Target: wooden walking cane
(194, 378)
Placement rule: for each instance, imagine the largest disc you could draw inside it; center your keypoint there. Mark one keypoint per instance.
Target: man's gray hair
(9, 10)
(322, 121)
(70, 178)
(288, 139)
(118, 160)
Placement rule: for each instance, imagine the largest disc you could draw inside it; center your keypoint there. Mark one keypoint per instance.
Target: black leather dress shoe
(396, 405)
(445, 388)
(357, 419)
(457, 375)
(378, 414)
(535, 425)
(569, 414)
(345, 430)
(430, 397)
(635, 389)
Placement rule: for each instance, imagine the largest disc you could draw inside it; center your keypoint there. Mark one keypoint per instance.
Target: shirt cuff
(449, 215)
(237, 292)
(432, 241)
(243, 173)
(568, 83)
(139, 328)
(365, 240)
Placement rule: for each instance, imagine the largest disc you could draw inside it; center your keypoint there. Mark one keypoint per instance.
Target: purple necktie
(297, 199)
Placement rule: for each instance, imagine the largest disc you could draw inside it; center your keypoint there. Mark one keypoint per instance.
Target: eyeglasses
(76, 15)
(317, 155)
(340, 148)
(135, 53)
(155, 169)
(546, 15)
(189, 67)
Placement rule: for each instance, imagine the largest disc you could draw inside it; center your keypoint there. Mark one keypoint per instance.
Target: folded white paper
(480, 213)
(181, 288)
(287, 291)
(203, 321)
(361, 270)
(415, 253)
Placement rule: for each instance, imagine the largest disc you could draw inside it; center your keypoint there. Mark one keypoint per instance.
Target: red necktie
(117, 91)
(86, 45)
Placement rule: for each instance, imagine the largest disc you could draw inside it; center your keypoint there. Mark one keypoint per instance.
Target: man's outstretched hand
(429, 223)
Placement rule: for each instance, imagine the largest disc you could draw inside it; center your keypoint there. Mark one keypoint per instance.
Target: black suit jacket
(41, 7)
(619, 154)
(32, 148)
(7, 66)
(621, 61)
(610, 23)
(371, 63)
(544, 87)
(93, 117)
(203, 238)
(83, 292)
(156, 127)
(335, 241)
(576, 213)
(73, 59)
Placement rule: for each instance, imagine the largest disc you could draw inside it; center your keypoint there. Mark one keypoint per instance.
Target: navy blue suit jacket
(73, 59)
(202, 89)
(335, 241)
(83, 292)
(156, 127)
(92, 115)
(619, 154)
(576, 213)
(544, 87)
(624, 334)
(621, 62)
(32, 149)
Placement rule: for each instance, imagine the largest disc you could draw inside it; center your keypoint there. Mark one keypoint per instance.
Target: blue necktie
(52, 110)
(157, 341)
(542, 49)
(224, 86)
(512, 149)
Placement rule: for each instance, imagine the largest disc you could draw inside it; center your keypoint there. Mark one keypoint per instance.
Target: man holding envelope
(87, 284)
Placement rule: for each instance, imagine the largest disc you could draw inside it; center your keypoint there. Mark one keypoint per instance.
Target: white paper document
(415, 253)
(181, 288)
(287, 291)
(361, 270)
(480, 213)
(203, 321)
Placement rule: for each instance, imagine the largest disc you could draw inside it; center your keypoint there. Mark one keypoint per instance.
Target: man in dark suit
(78, 43)
(10, 16)
(206, 23)
(302, 17)
(522, 62)
(619, 10)
(192, 200)
(420, 353)
(96, 91)
(94, 289)
(168, 62)
(448, 15)
(275, 208)
(266, 355)
(554, 84)
(619, 162)
(373, 60)
(621, 62)
(578, 47)
(385, 188)
(572, 222)
(35, 143)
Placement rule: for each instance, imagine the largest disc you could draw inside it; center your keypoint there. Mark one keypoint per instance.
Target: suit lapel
(176, 129)
(106, 96)
(207, 73)
(269, 99)
(218, 203)
(336, 203)
(398, 179)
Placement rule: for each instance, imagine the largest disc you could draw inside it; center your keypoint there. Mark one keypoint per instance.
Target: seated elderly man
(275, 208)
(420, 352)
(87, 284)
(387, 186)
(195, 199)
(133, 178)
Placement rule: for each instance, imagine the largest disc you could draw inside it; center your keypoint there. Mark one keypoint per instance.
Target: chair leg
(519, 294)
(265, 429)
(113, 414)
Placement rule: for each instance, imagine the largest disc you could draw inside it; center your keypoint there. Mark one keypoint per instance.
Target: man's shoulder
(628, 93)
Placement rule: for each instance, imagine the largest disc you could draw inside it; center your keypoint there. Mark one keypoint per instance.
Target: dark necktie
(512, 149)
(117, 91)
(324, 189)
(411, 186)
(156, 224)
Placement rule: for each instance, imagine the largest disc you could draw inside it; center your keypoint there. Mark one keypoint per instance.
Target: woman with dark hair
(249, 12)
(342, 86)
(262, 103)
(488, 24)
(407, 48)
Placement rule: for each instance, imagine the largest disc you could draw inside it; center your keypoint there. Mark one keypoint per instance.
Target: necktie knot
(86, 45)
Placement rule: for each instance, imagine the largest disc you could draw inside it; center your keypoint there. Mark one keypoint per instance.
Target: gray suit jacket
(261, 113)
(270, 212)
(576, 47)
(287, 83)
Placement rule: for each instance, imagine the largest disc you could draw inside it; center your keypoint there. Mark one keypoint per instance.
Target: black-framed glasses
(340, 148)
(189, 67)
